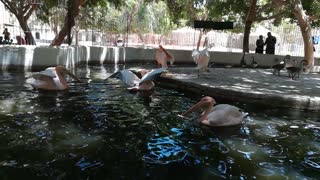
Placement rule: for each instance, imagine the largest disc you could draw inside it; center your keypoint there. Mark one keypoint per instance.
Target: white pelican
(219, 115)
(202, 57)
(51, 78)
(136, 84)
(163, 56)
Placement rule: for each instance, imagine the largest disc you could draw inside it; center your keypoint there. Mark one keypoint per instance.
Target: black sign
(213, 25)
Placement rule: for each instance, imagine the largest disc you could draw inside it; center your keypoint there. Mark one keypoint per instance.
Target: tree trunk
(77, 35)
(246, 36)
(303, 21)
(69, 22)
(27, 32)
(140, 37)
(251, 16)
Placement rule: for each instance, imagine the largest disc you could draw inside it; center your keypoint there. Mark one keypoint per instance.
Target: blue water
(98, 130)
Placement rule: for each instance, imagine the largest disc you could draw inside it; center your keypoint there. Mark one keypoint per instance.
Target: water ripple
(164, 150)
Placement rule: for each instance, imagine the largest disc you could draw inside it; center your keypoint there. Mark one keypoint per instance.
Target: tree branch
(30, 11)
(260, 18)
(281, 2)
(275, 4)
(26, 9)
(313, 17)
(10, 6)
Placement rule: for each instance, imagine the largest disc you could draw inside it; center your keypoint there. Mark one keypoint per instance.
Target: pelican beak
(194, 108)
(71, 75)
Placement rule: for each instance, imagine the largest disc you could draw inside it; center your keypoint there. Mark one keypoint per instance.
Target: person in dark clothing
(271, 43)
(259, 44)
(6, 36)
(315, 41)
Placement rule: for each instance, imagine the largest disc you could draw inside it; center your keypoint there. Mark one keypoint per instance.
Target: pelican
(136, 84)
(202, 57)
(51, 78)
(219, 115)
(162, 56)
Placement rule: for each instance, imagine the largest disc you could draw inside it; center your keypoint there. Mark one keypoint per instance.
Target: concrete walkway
(249, 86)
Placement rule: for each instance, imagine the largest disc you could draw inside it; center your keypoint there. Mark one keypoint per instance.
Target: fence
(289, 40)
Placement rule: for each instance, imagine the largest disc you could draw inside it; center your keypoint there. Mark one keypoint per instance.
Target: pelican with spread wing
(52, 78)
(131, 79)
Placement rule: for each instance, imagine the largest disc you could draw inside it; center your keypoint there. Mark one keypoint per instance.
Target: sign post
(213, 25)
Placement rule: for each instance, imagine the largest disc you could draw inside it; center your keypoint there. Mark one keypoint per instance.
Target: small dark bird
(278, 67)
(254, 63)
(295, 71)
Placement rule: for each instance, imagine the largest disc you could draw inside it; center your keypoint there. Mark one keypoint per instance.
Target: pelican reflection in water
(52, 78)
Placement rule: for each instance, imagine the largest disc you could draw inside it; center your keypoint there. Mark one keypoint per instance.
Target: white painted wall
(70, 56)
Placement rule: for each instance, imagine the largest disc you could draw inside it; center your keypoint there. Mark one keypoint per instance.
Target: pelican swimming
(51, 78)
(163, 56)
(219, 115)
(202, 57)
(136, 84)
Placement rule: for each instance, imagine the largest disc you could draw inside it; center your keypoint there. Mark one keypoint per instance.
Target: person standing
(315, 41)
(6, 36)
(271, 43)
(259, 45)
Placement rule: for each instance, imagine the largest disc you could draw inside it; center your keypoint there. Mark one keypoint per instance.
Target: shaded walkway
(249, 85)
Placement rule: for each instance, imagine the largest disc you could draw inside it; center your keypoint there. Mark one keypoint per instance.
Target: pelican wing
(50, 72)
(195, 55)
(199, 56)
(126, 76)
(204, 52)
(225, 115)
(35, 82)
(152, 74)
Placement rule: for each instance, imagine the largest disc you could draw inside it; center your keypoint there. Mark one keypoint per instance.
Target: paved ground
(249, 85)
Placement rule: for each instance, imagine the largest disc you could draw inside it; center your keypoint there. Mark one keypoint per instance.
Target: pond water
(98, 130)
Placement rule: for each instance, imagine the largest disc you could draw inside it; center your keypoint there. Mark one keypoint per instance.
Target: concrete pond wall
(28, 58)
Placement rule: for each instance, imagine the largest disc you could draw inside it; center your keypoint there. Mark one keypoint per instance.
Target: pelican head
(161, 47)
(143, 72)
(206, 103)
(63, 71)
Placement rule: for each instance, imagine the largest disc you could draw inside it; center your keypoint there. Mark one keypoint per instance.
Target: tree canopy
(160, 16)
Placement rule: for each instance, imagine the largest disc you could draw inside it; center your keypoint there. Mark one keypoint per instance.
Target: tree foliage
(159, 16)
(73, 9)
(22, 10)
(114, 16)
